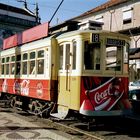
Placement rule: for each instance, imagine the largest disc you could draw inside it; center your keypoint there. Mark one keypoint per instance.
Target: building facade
(120, 16)
(14, 20)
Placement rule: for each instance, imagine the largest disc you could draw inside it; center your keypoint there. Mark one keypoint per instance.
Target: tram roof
(94, 31)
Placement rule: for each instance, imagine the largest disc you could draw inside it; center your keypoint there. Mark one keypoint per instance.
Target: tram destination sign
(115, 42)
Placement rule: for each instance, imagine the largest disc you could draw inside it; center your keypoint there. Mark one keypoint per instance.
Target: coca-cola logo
(101, 96)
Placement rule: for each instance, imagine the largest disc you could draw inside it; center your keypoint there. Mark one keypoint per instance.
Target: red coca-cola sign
(101, 94)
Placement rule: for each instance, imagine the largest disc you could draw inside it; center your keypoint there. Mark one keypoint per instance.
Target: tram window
(2, 66)
(7, 59)
(25, 56)
(24, 63)
(92, 56)
(125, 57)
(12, 65)
(18, 68)
(32, 55)
(74, 55)
(40, 53)
(40, 66)
(61, 56)
(32, 63)
(13, 58)
(67, 62)
(113, 58)
(3, 60)
(7, 68)
(24, 67)
(7, 65)
(18, 59)
(32, 67)
(40, 62)
(2, 69)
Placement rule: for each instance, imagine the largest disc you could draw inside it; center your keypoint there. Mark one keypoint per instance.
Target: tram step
(59, 115)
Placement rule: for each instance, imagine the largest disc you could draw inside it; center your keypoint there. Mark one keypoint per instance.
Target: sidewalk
(15, 128)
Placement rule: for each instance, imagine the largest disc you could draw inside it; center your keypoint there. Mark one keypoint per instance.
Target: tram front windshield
(109, 58)
(92, 56)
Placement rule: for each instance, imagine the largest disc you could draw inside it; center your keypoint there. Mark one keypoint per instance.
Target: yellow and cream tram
(82, 70)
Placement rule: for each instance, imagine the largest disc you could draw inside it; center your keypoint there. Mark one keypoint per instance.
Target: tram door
(67, 64)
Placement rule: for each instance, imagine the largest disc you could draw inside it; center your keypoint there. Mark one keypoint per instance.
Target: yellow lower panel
(69, 92)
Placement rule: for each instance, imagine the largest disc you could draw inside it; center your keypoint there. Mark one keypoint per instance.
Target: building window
(99, 18)
(127, 15)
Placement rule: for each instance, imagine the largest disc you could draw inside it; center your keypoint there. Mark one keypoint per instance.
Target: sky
(68, 9)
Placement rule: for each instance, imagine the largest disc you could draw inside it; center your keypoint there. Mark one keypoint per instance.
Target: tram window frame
(126, 58)
(12, 65)
(67, 56)
(74, 52)
(25, 63)
(32, 63)
(3, 66)
(92, 60)
(40, 61)
(61, 54)
(7, 66)
(18, 64)
(116, 58)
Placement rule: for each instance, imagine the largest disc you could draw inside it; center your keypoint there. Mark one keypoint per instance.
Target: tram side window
(113, 58)
(32, 63)
(24, 63)
(74, 55)
(7, 65)
(91, 56)
(18, 60)
(126, 57)
(2, 66)
(61, 56)
(12, 65)
(67, 62)
(40, 62)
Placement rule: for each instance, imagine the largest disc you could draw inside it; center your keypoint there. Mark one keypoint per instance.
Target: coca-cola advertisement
(104, 94)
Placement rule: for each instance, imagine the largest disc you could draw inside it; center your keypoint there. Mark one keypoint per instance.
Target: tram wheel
(13, 102)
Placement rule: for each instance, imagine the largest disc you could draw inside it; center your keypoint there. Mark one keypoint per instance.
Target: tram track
(110, 130)
(66, 126)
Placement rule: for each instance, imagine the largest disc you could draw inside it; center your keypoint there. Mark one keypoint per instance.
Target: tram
(85, 71)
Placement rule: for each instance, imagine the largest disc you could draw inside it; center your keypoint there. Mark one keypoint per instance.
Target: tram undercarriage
(36, 107)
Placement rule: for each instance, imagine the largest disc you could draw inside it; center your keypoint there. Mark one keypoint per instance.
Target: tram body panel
(27, 87)
(69, 79)
(68, 85)
(30, 84)
(69, 97)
